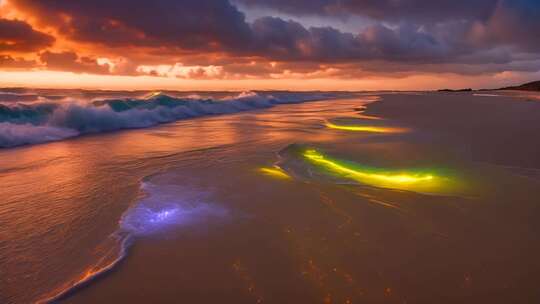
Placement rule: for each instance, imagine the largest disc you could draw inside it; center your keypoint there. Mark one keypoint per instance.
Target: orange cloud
(214, 44)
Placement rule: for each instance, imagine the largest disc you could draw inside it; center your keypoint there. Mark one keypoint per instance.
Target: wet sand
(318, 243)
(496, 127)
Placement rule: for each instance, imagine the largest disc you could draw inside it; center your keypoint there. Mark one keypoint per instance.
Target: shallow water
(183, 212)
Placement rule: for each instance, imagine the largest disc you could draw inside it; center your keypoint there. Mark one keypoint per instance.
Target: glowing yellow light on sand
(364, 175)
(153, 94)
(275, 172)
(373, 129)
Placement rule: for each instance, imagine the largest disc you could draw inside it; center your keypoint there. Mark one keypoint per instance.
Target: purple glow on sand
(162, 216)
(166, 207)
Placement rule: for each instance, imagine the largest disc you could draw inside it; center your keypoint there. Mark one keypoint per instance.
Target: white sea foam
(50, 121)
(21, 134)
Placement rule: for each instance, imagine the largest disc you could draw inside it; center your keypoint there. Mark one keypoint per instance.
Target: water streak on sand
(275, 172)
(103, 266)
(358, 128)
(162, 207)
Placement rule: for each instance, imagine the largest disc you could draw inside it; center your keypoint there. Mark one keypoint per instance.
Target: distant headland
(530, 86)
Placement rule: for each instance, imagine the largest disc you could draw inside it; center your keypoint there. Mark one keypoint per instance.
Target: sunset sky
(269, 44)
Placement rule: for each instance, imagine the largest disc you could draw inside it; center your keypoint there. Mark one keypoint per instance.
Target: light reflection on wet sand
(364, 128)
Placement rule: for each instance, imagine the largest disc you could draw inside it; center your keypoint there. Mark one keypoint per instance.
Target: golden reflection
(335, 284)
(152, 95)
(275, 172)
(358, 128)
(325, 199)
(86, 276)
(374, 200)
(243, 274)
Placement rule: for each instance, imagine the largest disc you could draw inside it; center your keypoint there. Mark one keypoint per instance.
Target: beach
(374, 197)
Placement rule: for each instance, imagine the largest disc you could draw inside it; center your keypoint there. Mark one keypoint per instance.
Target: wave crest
(50, 121)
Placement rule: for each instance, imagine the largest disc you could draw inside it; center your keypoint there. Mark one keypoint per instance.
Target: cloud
(415, 11)
(515, 22)
(209, 24)
(8, 62)
(493, 22)
(181, 71)
(19, 36)
(213, 38)
(217, 26)
(70, 61)
(279, 39)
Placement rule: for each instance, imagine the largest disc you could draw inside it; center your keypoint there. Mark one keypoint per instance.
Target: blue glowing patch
(162, 216)
(166, 207)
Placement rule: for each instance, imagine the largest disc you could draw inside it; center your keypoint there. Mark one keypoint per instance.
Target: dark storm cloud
(19, 36)
(404, 10)
(515, 22)
(417, 32)
(168, 23)
(503, 21)
(216, 25)
(289, 40)
(70, 61)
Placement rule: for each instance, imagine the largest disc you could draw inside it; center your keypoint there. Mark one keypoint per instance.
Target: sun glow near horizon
(70, 80)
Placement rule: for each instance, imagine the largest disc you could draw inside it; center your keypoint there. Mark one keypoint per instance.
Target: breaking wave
(33, 123)
(45, 121)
